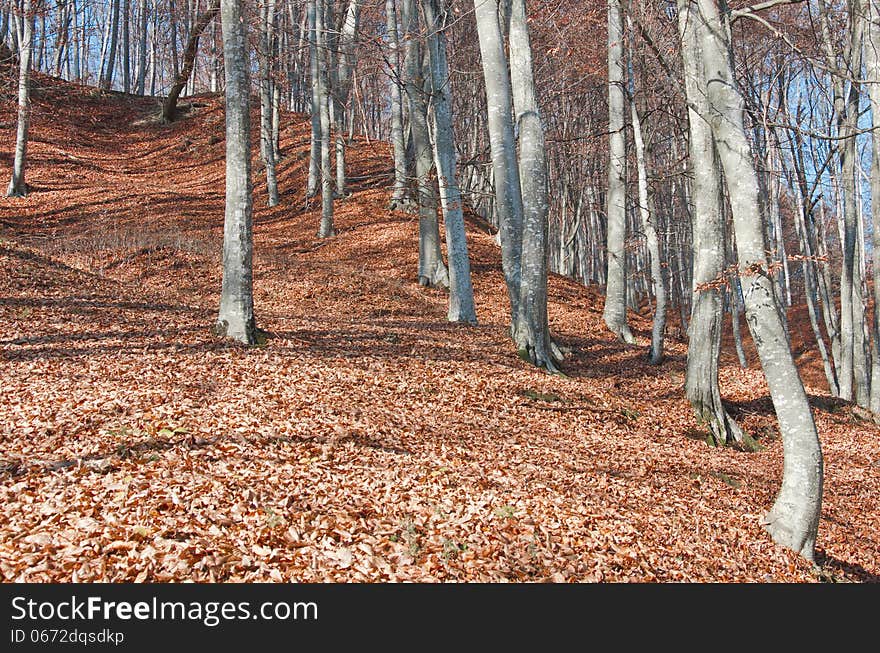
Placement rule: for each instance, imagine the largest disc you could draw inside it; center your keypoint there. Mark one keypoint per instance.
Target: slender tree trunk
(315, 156)
(25, 27)
(704, 335)
(794, 519)
(614, 311)
(126, 47)
(398, 194)
(267, 148)
(461, 292)
(236, 318)
(107, 81)
(142, 50)
(169, 107)
(342, 87)
(872, 69)
(432, 271)
(326, 229)
(646, 207)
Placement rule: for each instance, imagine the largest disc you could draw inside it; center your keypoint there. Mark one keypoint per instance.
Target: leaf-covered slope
(368, 439)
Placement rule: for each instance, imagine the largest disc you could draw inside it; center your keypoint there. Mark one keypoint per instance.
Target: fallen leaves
(368, 440)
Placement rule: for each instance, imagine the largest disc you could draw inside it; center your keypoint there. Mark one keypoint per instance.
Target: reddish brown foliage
(368, 440)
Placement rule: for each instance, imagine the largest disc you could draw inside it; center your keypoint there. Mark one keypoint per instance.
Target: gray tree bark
(25, 30)
(326, 229)
(532, 332)
(110, 66)
(461, 292)
(704, 334)
(793, 520)
(646, 211)
(315, 156)
(236, 318)
(614, 312)
(432, 271)
(508, 194)
(267, 146)
(398, 193)
(872, 72)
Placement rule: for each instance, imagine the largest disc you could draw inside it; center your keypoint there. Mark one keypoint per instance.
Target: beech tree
(614, 312)
(236, 318)
(24, 27)
(793, 520)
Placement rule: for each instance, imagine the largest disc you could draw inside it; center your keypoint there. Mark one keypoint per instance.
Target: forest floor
(368, 439)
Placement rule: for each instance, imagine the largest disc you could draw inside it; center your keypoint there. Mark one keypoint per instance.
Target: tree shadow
(849, 569)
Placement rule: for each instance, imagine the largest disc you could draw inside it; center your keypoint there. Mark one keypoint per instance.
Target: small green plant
(505, 512)
(452, 549)
(273, 519)
(629, 414)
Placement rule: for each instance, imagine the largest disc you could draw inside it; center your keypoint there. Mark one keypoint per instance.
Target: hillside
(368, 439)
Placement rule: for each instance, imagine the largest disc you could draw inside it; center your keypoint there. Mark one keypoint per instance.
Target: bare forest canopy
(440, 290)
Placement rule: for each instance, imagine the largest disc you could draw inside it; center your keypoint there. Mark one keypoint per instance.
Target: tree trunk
(532, 332)
(142, 51)
(872, 70)
(315, 154)
(326, 229)
(236, 318)
(704, 335)
(432, 271)
(267, 147)
(169, 107)
(461, 292)
(508, 194)
(25, 28)
(398, 194)
(614, 311)
(793, 520)
(107, 80)
(646, 210)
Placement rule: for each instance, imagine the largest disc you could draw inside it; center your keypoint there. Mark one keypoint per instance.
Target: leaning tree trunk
(236, 319)
(461, 292)
(169, 106)
(655, 355)
(614, 312)
(107, 80)
(704, 331)
(25, 28)
(793, 520)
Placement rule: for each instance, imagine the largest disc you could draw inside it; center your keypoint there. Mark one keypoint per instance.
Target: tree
(461, 292)
(236, 318)
(793, 520)
(169, 106)
(432, 270)
(520, 203)
(25, 32)
(614, 312)
(704, 341)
